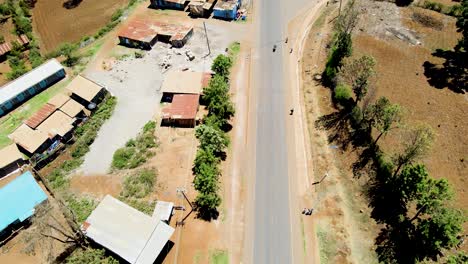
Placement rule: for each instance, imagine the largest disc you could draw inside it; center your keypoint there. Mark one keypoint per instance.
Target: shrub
(90, 255)
(342, 93)
(222, 65)
(428, 21)
(139, 185)
(2, 39)
(18, 67)
(81, 207)
(122, 157)
(117, 14)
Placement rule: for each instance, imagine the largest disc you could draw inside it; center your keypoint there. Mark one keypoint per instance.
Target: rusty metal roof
(184, 106)
(146, 30)
(41, 115)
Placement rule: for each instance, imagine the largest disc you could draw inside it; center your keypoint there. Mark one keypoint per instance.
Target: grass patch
(327, 245)
(234, 50)
(81, 207)
(146, 207)
(85, 135)
(219, 257)
(136, 151)
(197, 258)
(322, 18)
(14, 119)
(139, 185)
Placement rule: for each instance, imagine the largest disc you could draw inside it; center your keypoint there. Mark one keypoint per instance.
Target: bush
(222, 65)
(35, 57)
(117, 14)
(433, 6)
(428, 21)
(139, 185)
(136, 151)
(342, 93)
(18, 67)
(81, 207)
(91, 256)
(2, 39)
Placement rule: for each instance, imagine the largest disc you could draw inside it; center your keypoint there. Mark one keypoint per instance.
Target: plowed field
(55, 24)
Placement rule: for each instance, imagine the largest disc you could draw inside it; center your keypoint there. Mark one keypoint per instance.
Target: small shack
(30, 141)
(163, 211)
(183, 82)
(73, 109)
(134, 236)
(20, 90)
(169, 4)
(182, 111)
(11, 159)
(201, 8)
(226, 9)
(19, 200)
(85, 91)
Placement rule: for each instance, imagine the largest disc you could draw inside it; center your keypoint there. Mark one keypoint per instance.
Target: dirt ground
(343, 215)
(55, 24)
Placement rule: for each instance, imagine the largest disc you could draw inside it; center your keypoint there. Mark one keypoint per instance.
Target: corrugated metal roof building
(226, 9)
(182, 111)
(19, 199)
(10, 159)
(20, 90)
(129, 233)
(170, 4)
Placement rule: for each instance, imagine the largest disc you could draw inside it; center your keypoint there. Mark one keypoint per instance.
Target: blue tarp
(18, 199)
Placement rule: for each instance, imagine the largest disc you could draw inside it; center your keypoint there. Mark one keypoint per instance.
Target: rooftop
(146, 30)
(183, 106)
(163, 211)
(9, 154)
(72, 108)
(57, 124)
(129, 233)
(19, 198)
(41, 115)
(59, 100)
(84, 88)
(29, 138)
(185, 82)
(226, 4)
(13, 88)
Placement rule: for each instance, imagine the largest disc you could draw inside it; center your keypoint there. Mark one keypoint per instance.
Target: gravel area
(136, 83)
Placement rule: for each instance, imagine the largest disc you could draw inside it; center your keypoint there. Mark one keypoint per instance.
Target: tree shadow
(207, 214)
(70, 4)
(337, 124)
(453, 73)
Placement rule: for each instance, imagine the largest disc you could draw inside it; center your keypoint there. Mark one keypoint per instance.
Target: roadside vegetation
(137, 187)
(212, 136)
(136, 151)
(416, 212)
(90, 255)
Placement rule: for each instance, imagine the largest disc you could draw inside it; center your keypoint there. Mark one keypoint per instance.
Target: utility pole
(207, 40)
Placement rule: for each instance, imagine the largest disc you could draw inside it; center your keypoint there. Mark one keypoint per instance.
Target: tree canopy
(222, 65)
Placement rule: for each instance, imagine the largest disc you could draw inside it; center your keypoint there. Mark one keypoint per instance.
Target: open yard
(54, 24)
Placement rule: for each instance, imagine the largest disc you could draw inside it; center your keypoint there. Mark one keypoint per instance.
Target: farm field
(68, 25)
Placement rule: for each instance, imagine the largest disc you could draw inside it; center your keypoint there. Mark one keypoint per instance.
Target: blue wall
(164, 4)
(30, 92)
(227, 14)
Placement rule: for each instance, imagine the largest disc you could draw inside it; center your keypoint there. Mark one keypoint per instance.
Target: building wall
(178, 122)
(97, 99)
(11, 167)
(225, 14)
(30, 92)
(181, 43)
(169, 5)
(136, 43)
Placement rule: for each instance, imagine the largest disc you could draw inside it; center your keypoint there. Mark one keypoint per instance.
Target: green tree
(69, 52)
(211, 139)
(204, 156)
(219, 103)
(206, 180)
(383, 116)
(90, 256)
(217, 85)
(459, 258)
(417, 141)
(17, 66)
(357, 73)
(222, 65)
(462, 25)
(207, 202)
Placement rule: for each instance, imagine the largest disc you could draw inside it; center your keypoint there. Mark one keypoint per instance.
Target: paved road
(272, 242)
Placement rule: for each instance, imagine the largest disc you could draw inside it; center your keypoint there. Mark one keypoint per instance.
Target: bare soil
(54, 24)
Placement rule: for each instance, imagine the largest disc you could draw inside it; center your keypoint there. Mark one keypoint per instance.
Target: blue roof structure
(18, 199)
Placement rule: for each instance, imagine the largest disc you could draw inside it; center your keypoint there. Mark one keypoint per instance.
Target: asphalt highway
(272, 238)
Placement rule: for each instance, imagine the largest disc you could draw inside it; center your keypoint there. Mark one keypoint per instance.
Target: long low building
(19, 200)
(86, 91)
(144, 33)
(134, 236)
(20, 90)
(226, 9)
(171, 4)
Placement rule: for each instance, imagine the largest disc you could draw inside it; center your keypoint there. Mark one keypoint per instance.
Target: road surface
(272, 238)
